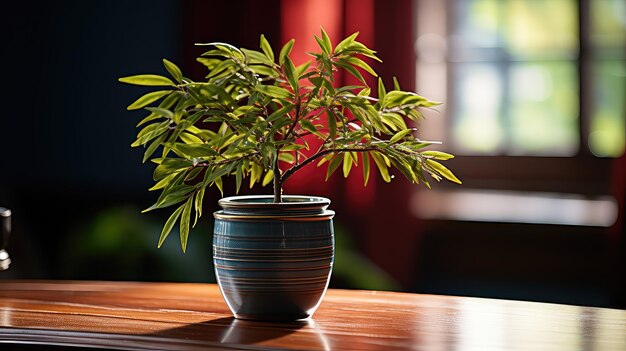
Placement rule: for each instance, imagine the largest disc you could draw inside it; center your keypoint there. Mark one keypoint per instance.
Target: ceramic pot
(273, 260)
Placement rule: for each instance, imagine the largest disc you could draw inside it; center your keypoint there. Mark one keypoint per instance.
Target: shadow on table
(231, 332)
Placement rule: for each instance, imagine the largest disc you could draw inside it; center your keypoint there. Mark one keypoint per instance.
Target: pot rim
(289, 201)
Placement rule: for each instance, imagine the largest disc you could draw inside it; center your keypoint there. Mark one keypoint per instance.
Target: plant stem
(295, 119)
(276, 167)
(277, 182)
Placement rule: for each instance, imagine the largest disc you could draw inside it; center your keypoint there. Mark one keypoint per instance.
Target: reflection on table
(137, 316)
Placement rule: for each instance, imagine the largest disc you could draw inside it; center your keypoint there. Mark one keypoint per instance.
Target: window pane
(608, 23)
(477, 104)
(476, 23)
(514, 78)
(543, 109)
(536, 28)
(607, 126)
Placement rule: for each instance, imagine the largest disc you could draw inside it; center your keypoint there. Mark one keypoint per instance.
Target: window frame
(582, 173)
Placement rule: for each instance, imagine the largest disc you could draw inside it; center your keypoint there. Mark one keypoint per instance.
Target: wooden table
(147, 316)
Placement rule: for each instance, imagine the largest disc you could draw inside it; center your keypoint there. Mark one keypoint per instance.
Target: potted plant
(260, 118)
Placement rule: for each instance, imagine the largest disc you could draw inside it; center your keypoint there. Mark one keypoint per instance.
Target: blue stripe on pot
(273, 261)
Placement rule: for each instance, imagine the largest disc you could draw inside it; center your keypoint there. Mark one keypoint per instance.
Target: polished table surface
(173, 316)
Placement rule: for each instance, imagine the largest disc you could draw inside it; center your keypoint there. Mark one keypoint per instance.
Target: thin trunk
(277, 183)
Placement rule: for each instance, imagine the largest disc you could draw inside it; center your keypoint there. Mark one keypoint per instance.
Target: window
(534, 90)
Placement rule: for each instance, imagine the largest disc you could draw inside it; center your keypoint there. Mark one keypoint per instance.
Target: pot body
(273, 260)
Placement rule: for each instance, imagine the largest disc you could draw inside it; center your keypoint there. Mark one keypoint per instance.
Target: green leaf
(428, 103)
(269, 176)
(332, 124)
(195, 149)
(210, 63)
(267, 49)
(328, 46)
(168, 102)
(273, 91)
(441, 169)
(381, 89)
(223, 67)
(286, 157)
(366, 167)
(163, 182)
(402, 163)
(238, 177)
(280, 112)
(193, 174)
(356, 47)
(184, 223)
(322, 82)
(382, 166)
(285, 51)
(290, 72)
(174, 195)
(345, 43)
(349, 89)
(153, 146)
(225, 48)
(347, 164)
(263, 70)
(301, 69)
(166, 168)
(220, 185)
(308, 126)
(223, 129)
(173, 70)
(360, 63)
(322, 46)
(353, 71)
(147, 99)
(190, 138)
(150, 80)
(198, 204)
(333, 165)
(150, 132)
(396, 84)
(394, 120)
(167, 228)
(268, 152)
(399, 135)
(161, 112)
(255, 173)
(326, 159)
(293, 147)
(257, 57)
(437, 155)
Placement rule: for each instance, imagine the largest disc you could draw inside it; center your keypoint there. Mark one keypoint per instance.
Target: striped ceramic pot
(273, 260)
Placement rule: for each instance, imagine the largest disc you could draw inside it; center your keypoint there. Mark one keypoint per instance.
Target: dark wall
(64, 122)
(64, 133)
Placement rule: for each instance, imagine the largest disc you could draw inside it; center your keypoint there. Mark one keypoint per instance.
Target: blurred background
(535, 111)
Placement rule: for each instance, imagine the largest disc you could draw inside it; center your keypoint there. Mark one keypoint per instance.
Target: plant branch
(309, 133)
(295, 168)
(296, 118)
